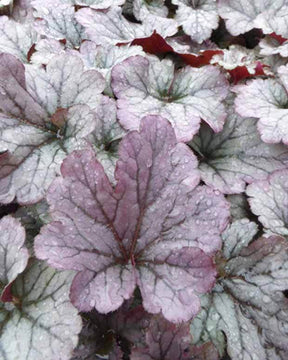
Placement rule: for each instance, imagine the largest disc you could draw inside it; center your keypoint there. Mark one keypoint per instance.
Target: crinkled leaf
(242, 16)
(247, 304)
(236, 56)
(35, 136)
(15, 38)
(266, 100)
(198, 18)
(100, 332)
(106, 136)
(56, 19)
(45, 50)
(273, 63)
(104, 58)
(269, 200)
(149, 231)
(166, 341)
(42, 323)
(111, 27)
(271, 46)
(183, 97)
(236, 155)
(13, 253)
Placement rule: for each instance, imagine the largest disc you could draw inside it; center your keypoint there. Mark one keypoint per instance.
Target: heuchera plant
(143, 180)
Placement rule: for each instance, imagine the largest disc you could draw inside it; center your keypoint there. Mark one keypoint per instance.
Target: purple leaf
(269, 200)
(198, 18)
(101, 332)
(150, 231)
(32, 128)
(13, 253)
(247, 303)
(166, 341)
(185, 96)
(42, 323)
(267, 101)
(111, 27)
(236, 155)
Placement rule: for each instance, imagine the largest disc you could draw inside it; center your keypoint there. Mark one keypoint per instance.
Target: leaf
(13, 253)
(100, 332)
(64, 86)
(237, 56)
(149, 231)
(31, 140)
(268, 15)
(198, 18)
(269, 199)
(56, 19)
(190, 52)
(142, 9)
(23, 11)
(236, 155)
(106, 136)
(111, 27)
(247, 303)
(166, 341)
(42, 322)
(16, 39)
(98, 4)
(45, 50)
(104, 58)
(236, 236)
(267, 101)
(271, 46)
(183, 96)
